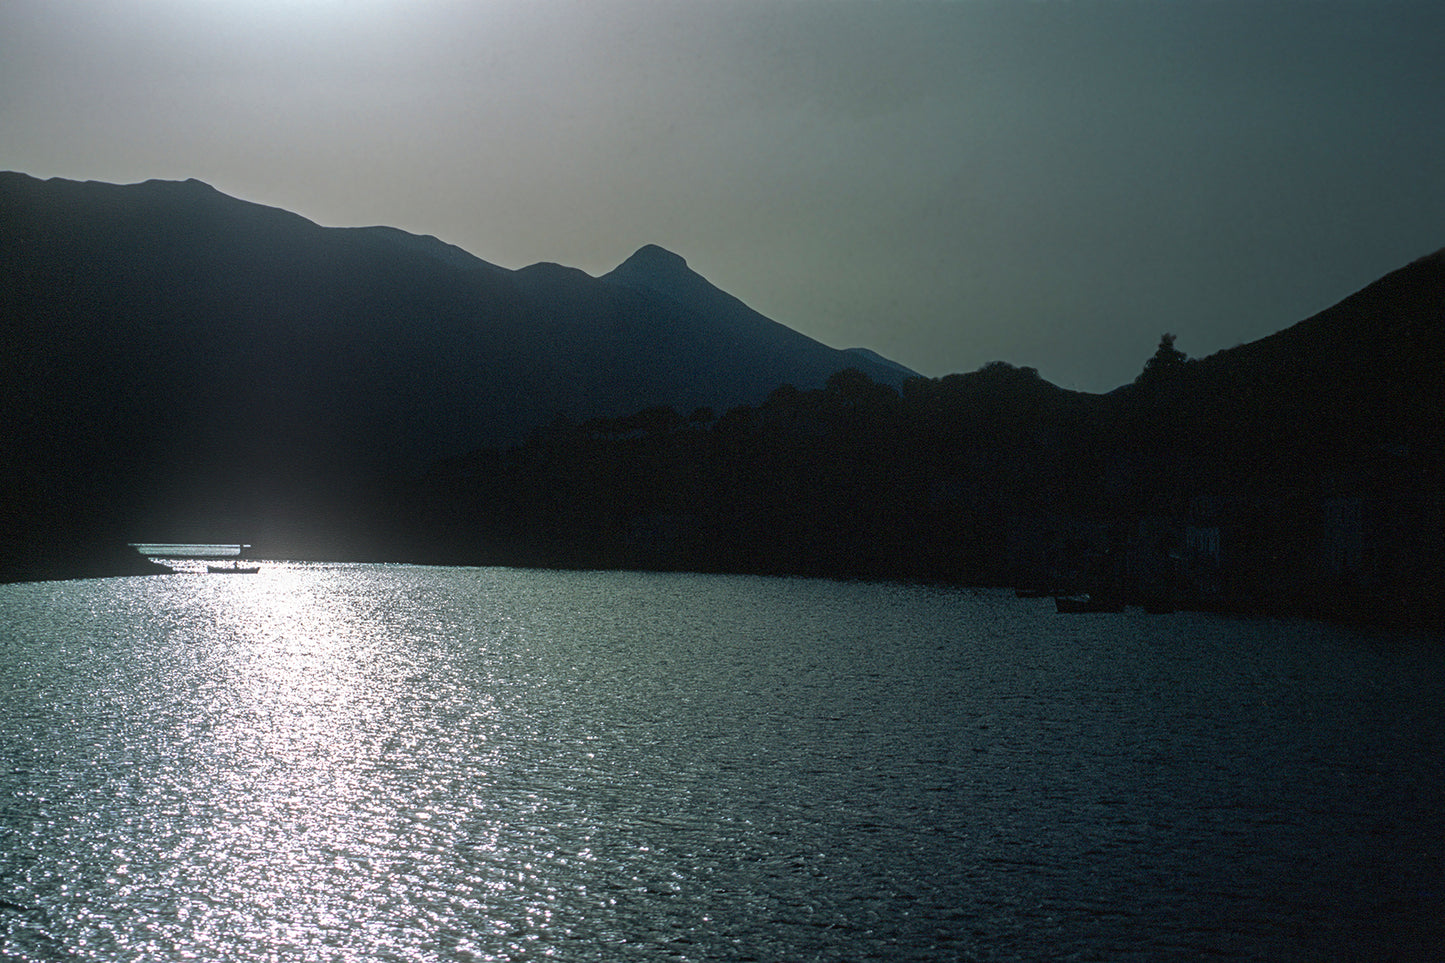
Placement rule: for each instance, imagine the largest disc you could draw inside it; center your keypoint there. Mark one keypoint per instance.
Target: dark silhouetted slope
(180, 363)
(174, 353)
(1301, 474)
(1352, 398)
(699, 335)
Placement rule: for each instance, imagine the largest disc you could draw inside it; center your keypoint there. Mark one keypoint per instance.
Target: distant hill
(1350, 399)
(1303, 474)
(1370, 368)
(1404, 311)
(181, 366)
(170, 346)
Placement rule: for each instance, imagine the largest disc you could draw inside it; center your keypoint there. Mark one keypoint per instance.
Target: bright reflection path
(294, 756)
(266, 775)
(358, 763)
(330, 833)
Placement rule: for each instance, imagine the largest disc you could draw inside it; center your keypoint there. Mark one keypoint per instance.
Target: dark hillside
(1299, 475)
(185, 366)
(179, 359)
(1349, 400)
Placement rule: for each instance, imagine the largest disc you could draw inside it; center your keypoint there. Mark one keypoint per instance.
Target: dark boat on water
(235, 568)
(1077, 604)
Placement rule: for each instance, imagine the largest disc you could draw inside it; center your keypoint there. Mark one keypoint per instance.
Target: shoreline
(105, 560)
(64, 562)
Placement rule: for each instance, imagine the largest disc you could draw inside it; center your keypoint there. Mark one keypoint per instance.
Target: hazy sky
(1051, 183)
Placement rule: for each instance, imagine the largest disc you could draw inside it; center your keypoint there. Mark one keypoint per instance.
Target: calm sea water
(399, 763)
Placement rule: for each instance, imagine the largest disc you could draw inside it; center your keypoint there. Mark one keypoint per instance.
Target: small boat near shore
(1078, 604)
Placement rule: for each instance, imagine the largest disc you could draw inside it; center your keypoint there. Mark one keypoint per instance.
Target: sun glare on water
(299, 755)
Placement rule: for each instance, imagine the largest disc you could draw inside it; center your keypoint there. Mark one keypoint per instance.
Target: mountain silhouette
(174, 346)
(1349, 399)
(1301, 474)
(1371, 367)
(182, 365)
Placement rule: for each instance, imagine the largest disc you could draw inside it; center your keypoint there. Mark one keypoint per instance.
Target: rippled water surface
(397, 763)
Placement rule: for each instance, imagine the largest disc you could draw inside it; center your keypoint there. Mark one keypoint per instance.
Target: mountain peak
(656, 269)
(190, 185)
(652, 258)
